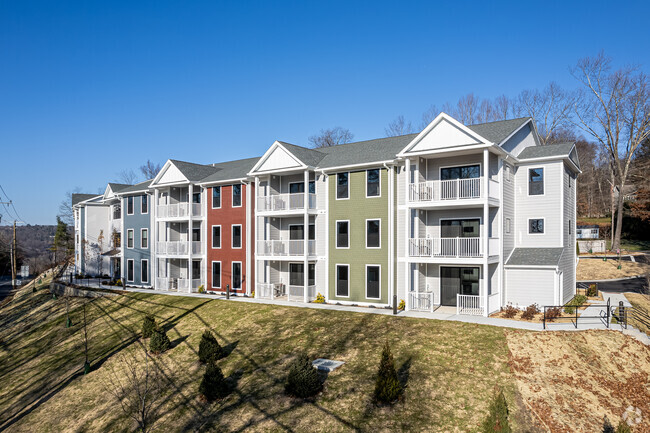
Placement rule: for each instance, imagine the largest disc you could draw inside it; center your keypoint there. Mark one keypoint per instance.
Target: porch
(181, 275)
(292, 193)
(286, 281)
(175, 202)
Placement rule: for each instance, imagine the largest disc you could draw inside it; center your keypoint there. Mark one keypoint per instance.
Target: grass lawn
(642, 302)
(450, 368)
(587, 221)
(631, 245)
(597, 269)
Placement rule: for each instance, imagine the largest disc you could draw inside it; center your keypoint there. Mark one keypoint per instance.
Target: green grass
(631, 245)
(604, 220)
(450, 369)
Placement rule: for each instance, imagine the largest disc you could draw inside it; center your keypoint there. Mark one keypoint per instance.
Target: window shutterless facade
(536, 226)
(236, 275)
(144, 271)
(236, 196)
(373, 188)
(535, 181)
(373, 236)
(373, 281)
(216, 197)
(144, 204)
(216, 236)
(343, 234)
(129, 270)
(216, 275)
(129, 238)
(236, 236)
(129, 205)
(144, 238)
(342, 186)
(343, 281)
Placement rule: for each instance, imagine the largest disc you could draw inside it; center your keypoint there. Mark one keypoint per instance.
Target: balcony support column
(190, 206)
(407, 228)
(305, 239)
(154, 247)
(486, 228)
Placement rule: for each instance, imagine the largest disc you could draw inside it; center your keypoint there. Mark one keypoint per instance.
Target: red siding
(226, 217)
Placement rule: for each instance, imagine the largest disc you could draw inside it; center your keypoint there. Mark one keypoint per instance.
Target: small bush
(159, 341)
(592, 291)
(623, 427)
(553, 313)
(303, 380)
(402, 305)
(530, 312)
(253, 294)
(209, 348)
(148, 325)
(497, 419)
(607, 426)
(576, 301)
(509, 311)
(201, 289)
(387, 386)
(213, 386)
(320, 299)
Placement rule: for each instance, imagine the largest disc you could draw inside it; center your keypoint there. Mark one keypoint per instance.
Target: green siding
(357, 209)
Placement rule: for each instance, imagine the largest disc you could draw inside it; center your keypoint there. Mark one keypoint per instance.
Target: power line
(11, 203)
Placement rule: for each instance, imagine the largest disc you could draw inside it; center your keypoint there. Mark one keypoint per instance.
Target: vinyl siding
(508, 208)
(530, 286)
(568, 260)
(137, 222)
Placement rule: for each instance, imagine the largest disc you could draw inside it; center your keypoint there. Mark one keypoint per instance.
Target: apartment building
(471, 217)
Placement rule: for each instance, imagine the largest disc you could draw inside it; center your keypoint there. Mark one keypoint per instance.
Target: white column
(306, 238)
(407, 227)
(189, 235)
(249, 199)
(154, 247)
(327, 237)
(391, 232)
(486, 228)
(256, 219)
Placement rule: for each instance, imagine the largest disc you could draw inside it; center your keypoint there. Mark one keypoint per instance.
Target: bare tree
(331, 137)
(136, 383)
(66, 212)
(503, 107)
(614, 108)
(150, 169)
(127, 176)
(428, 116)
(549, 108)
(399, 126)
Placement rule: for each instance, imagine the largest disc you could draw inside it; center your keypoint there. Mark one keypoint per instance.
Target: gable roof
(138, 187)
(78, 198)
(564, 150)
(535, 257)
(193, 172)
(499, 130)
(117, 187)
(368, 151)
(310, 157)
(231, 170)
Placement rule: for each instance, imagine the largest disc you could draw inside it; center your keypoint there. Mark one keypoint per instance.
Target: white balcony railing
(178, 248)
(285, 202)
(175, 210)
(285, 248)
(421, 301)
(469, 304)
(445, 247)
(454, 189)
(197, 247)
(264, 290)
(297, 293)
(173, 284)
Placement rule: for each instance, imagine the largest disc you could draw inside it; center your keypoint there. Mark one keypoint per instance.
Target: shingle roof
(117, 187)
(498, 131)
(369, 151)
(138, 187)
(535, 257)
(231, 170)
(78, 198)
(559, 149)
(310, 157)
(194, 172)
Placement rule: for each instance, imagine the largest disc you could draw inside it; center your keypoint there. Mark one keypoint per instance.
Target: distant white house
(587, 232)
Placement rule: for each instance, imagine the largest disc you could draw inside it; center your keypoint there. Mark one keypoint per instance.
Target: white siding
(521, 140)
(508, 208)
(568, 261)
(530, 286)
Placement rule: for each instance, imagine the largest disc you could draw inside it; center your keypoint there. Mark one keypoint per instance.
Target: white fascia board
(551, 159)
(255, 170)
(466, 149)
(531, 267)
(352, 166)
(519, 129)
(226, 181)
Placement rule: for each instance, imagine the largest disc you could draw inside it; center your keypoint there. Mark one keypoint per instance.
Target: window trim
(212, 274)
(543, 223)
(232, 195)
(130, 199)
(127, 270)
(469, 164)
(336, 186)
(336, 279)
(142, 280)
(298, 182)
(143, 230)
(232, 237)
(543, 182)
(212, 199)
(507, 172)
(336, 233)
(132, 237)
(212, 237)
(232, 274)
(480, 225)
(378, 183)
(508, 227)
(366, 281)
(373, 248)
(144, 197)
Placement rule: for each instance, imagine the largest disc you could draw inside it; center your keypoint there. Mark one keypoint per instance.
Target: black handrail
(575, 318)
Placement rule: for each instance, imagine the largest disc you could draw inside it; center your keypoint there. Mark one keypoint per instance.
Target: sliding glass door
(458, 280)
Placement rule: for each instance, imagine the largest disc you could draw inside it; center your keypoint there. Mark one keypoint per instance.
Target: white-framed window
(236, 275)
(129, 238)
(236, 195)
(343, 234)
(216, 197)
(508, 222)
(343, 281)
(144, 271)
(373, 184)
(373, 233)
(144, 238)
(216, 275)
(536, 181)
(129, 205)
(236, 236)
(373, 281)
(536, 226)
(129, 270)
(342, 186)
(144, 204)
(216, 236)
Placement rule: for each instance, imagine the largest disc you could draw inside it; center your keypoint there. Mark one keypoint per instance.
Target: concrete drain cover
(326, 364)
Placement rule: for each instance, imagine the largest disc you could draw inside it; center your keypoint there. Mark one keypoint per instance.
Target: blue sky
(90, 88)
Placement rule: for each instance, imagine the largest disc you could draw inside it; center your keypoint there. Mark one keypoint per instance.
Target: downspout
(391, 233)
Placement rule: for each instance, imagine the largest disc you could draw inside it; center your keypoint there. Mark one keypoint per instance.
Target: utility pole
(14, 259)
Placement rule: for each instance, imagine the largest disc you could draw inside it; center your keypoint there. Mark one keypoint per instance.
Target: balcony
(279, 291)
(177, 284)
(178, 248)
(451, 191)
(285, 248)
(178, 210)
(451, 247)
(285, 202)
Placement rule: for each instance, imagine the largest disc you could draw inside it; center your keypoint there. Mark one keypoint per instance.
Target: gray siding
(137, 222)
(568, 260)
(508, 208)
(530, 286)
(521, 140)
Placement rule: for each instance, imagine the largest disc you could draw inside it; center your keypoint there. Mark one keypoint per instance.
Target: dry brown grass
(642, 302)
(595, 269)
(572, 379)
